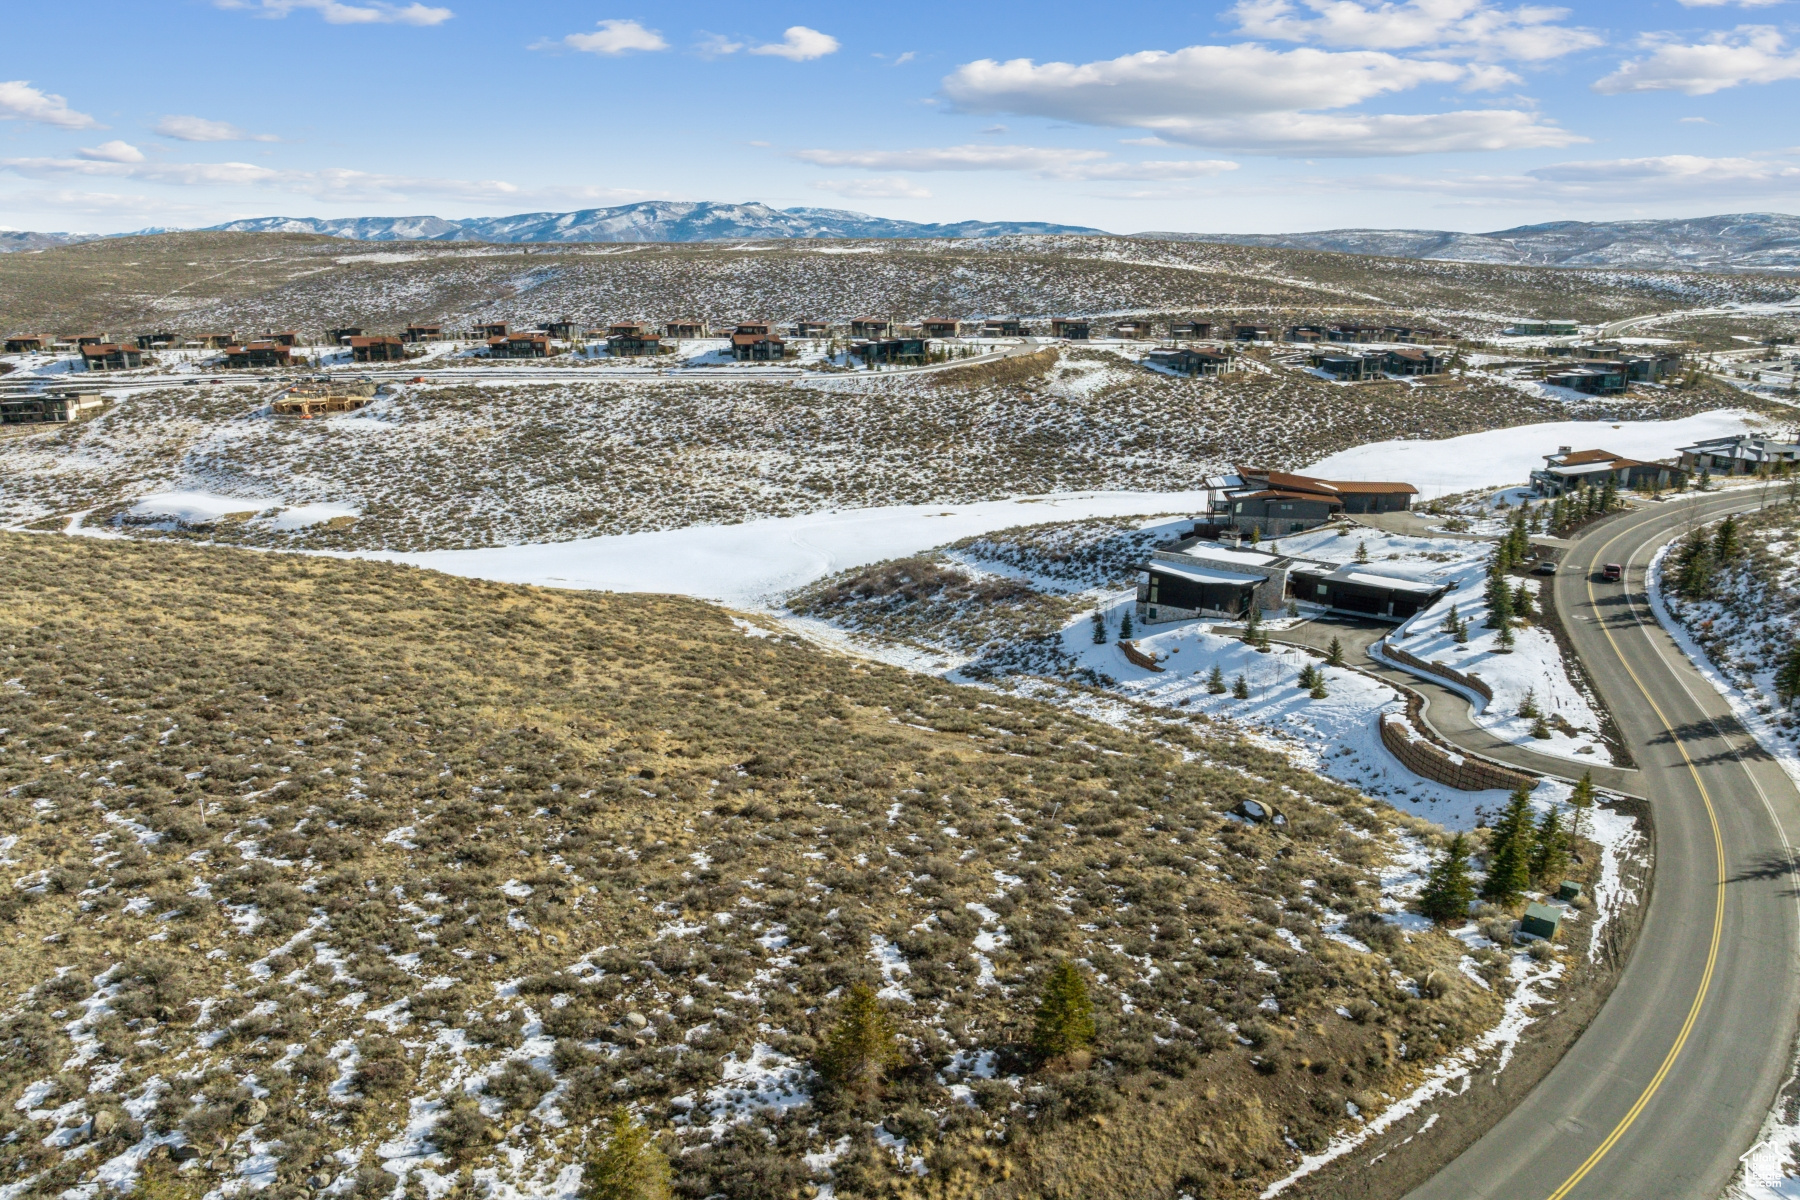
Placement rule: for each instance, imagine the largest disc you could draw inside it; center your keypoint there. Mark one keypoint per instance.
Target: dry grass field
(346, 873)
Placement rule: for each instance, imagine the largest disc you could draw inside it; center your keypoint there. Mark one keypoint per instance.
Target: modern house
(1073, 328)
(1192, 330)
(423, 333)
(1198, 580)
(1570, 470)
(756, 341)
(29, 343)
(528, 344)
(156, 341)
(487, 331)
(341, 337)
(1251, 333)
(1415, 333)
(1740, 455)
(871, 327)
(940, 327)
(910, 350)
(1134, 331)
(1275, 503)
(1538, 328)
(1592, 377)
(1185, 360)
(686, 327)
(632, 339)
(377, 349)
(111, 356)
(213, 341)
(48, 408)
(1364, 590)
(1306, 333)
(257, 354)
(1411, 361)
(1003, 327)
(1349, 368)
(287, 337)
(812, 329)
(1345, 331)
(563, 329)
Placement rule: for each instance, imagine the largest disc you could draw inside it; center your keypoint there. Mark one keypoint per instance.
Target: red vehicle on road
(1612, 572)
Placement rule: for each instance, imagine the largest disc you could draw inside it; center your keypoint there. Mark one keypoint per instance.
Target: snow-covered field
(1504, 456)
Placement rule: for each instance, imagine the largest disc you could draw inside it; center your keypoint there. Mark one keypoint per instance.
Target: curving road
(1672, 1080)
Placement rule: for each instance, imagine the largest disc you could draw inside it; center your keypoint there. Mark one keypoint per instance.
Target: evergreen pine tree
(1215, 683)
(1308, 673)
(1582, 799)
(1505, 639)
(1240, 688)
(1064, 1022)
(1787, 677)
(629, 1166)
(1726, 542)
(1528, 707)
(1447, 893)
(1318, 686)
(1334, 654)
(1362, 552)
(1550, 854)
(1461, 634)
(1540, 729)
(1099, 628)
(1451, 618)
(1705, 477)
(860, 1048)
(1523, 603)
(1509, 850)
(1499, 600)
(1253, 624)
(1609, 495)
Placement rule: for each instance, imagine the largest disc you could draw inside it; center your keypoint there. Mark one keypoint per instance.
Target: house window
(1153, 614)
(1323, 590)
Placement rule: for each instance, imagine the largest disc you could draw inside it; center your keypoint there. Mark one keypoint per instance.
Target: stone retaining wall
(1426, 758)
(1415, 663)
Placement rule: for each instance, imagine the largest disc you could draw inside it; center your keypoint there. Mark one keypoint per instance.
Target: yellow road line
(1712, 953)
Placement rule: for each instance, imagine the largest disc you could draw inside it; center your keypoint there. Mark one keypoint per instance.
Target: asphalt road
(1670, 1083)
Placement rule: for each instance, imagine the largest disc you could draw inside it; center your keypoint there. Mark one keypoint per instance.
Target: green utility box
(1568, 890)
(1541, 920)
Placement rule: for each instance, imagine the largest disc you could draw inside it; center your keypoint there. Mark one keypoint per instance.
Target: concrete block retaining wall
(1426, 758)
(1415, 663)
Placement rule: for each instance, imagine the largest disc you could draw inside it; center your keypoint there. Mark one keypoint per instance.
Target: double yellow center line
(1712, 951)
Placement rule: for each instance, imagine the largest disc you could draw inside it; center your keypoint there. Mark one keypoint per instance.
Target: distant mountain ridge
(650, 221)
(1731, 242)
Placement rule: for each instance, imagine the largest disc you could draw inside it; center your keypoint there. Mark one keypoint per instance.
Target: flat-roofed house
(423, 333)
(341, 337)
(287, 337)
(1209, 581)
(1134, 331)
(1306, 333)
(940, 327)
(1592, 377)
(526, 344)
(1347, 367)
(257, 354)
(1192, 330)
(1571, 470)
(377, 349)
(487, 331)
(871, 327)
(48, 408)
(214, 341)
(1002, 327)
(756, 341)
(1368, 591)
(1739, 455)
(1073, 328)
(88, 339)
(563, 329)
(909, 350)
(811, 329)
(1414, 361)
(29, 343)
(685, 327)
(1185, 360)
(111, 356)
(1251, 333)
(155, 341)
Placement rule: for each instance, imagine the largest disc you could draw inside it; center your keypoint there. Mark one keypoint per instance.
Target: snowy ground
(1508, 456)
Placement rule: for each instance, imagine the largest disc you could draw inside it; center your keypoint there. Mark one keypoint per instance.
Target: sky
(1245, 116)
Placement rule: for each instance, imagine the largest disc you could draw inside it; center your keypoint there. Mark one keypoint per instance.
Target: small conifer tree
(1582, 800)
(1099, 628)
(1318, 686)
(1240, 688)
(1334, 654)
(1064, 1022)
(860, 1049)
(1362, 552)
(1726, 542)
(629, 1166)
(1528, 707)
(1447, 893)
(1504, 641)
(1540, 729)
(1523, 602)
(1550, 856)
(1787, 677)
(1215, 682)
(1510, 846)
(1125, 626)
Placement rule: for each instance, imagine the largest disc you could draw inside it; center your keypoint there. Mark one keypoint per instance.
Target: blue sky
(1245, 116)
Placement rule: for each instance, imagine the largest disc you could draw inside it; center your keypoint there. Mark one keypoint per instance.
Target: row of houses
(1570, 470)
(1407, 361)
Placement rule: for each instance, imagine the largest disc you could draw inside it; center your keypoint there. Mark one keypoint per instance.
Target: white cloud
(336, 13)
(1043, 162)
(114, 151)
(617, 37)
(199, 129)
(331, 184)
(1747, 54)
(19, 101)
(1667, 169)
(1612, 181)
(906, 58)
(1725, 3)
(1450, 28)
(1250, 98)
(799, 44)
(874, 189)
